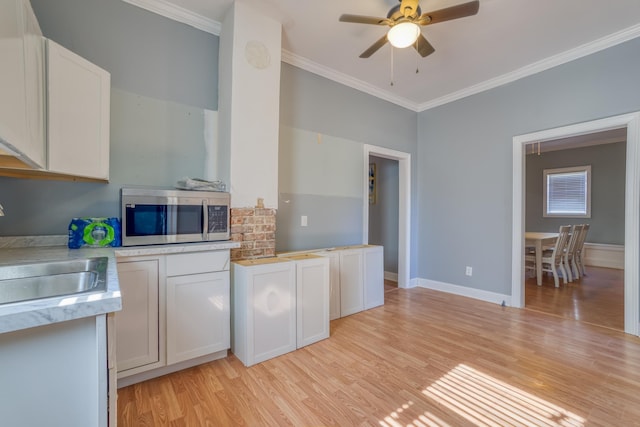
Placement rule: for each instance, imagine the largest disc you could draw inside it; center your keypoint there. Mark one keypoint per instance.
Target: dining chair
(552, 259)
(579, 255)
(570, 254)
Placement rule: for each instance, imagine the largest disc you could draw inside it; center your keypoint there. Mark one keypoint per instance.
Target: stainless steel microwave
(155, 216)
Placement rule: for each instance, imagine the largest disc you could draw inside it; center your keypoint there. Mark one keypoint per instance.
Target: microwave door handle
(205, 221)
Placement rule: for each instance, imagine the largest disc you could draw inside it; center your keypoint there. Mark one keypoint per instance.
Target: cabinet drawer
(197, 262)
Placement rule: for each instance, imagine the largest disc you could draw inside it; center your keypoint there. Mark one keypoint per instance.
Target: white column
(249, 106)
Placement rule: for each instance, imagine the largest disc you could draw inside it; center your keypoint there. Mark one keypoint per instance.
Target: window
(567, 192)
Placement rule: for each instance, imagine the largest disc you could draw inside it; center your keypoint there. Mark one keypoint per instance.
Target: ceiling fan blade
(361, 19)
(449, 13)
(423, 47)
(374, 47)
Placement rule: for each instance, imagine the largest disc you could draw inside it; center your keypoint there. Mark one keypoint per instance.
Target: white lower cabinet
(279, 305)
(351, 281)
(373, 276)
(264, 309)
(137, 325)
(197, 315)
(312, 299)
(356, 277)
(55, 375)
(175, 313)
(334, 284)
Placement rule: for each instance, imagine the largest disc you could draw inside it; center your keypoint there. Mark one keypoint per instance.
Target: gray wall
(383, 215)
(313, 104)
(607, 190)
(163, 77)
(320, 177)
(465, 157)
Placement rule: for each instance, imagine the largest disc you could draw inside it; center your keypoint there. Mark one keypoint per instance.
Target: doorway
(383, 213)
(598, 296)
(404, 206)
(632, 206)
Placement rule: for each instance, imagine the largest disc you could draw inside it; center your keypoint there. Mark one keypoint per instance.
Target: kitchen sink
(23, 282)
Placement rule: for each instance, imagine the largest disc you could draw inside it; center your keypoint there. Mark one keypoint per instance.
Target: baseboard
(391, 276)
(415, 282)
(465, 291)
(603, 255)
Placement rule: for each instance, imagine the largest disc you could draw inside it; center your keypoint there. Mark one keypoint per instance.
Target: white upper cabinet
(78, 115)
(54, 105)
(22, 126)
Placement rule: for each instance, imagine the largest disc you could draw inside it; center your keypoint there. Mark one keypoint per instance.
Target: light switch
(303, 220)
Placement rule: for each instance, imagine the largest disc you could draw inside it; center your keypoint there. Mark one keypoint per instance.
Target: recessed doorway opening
(404, 206)
(631, 122)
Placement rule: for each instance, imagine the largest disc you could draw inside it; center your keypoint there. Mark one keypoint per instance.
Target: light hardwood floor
(425, 358)
(596, 298)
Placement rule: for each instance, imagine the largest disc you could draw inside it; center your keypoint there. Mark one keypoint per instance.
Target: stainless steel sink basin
(22, 282)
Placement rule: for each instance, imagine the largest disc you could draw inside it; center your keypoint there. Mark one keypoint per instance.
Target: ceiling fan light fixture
(403, 34)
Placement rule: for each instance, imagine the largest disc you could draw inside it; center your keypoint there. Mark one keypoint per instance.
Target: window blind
(567, 193)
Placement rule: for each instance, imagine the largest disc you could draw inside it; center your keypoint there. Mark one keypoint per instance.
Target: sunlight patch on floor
(425, 420)
(485, 402)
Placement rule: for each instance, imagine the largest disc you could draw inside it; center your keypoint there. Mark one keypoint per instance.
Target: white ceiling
(506, 40)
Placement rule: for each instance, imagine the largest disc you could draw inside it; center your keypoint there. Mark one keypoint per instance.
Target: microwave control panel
(218, 219)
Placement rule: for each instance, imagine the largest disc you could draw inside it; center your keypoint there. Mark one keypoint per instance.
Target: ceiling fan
(405, 21)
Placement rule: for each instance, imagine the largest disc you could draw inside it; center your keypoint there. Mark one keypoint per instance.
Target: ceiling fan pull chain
(391, 65)
(417, 62)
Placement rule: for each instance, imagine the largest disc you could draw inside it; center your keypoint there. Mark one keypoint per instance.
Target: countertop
(321, 250)
(28, 314)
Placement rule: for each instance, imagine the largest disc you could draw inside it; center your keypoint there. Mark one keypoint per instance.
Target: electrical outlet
(303, 221)
(469, 271)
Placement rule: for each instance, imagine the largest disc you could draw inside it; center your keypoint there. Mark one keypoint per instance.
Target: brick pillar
(255, 229)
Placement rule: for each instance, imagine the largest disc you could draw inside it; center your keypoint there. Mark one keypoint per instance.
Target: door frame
(632, 207)
(404, 208)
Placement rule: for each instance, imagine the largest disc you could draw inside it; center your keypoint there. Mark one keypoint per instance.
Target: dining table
(538, 240)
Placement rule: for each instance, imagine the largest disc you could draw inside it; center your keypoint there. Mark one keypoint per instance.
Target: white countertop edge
(174, 248)
(29, 314)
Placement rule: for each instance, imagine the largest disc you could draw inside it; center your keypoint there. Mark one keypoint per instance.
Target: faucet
(1, 210)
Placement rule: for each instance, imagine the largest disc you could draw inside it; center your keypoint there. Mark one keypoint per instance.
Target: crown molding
(331, 74)
(537, 67)
(179, 14)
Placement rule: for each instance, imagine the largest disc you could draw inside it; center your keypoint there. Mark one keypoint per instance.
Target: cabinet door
(34, 61)
(312, 297)
(373, 277)
(351, 282)
(137, 323)
(198, 315)
(21, 83)
(334, 283)
(78, 113)
(54, 375)
(272, 311)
